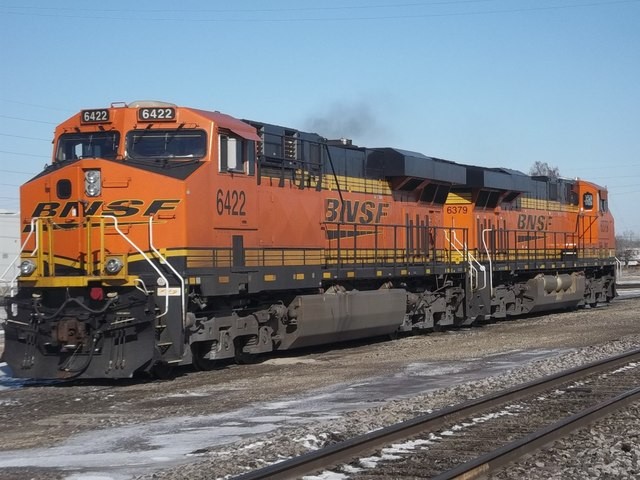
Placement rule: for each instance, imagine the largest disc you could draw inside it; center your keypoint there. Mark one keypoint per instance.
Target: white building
(9, 244)
(632, 256)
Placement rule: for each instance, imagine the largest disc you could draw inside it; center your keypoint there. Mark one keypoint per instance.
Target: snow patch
(326, 475)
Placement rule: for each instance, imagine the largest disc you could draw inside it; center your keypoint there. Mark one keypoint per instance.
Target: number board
(94, 116)
(156, 114)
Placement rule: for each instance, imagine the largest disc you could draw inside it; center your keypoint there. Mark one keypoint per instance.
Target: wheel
(162, 371)
(242, 357)
(198, 360)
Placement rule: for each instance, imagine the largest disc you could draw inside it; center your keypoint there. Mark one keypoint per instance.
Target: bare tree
(627, 246)
(544, 169)
(627, 240)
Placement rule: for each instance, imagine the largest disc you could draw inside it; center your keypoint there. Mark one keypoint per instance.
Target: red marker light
(96, 293)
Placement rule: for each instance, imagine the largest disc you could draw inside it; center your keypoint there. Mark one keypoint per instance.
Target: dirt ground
(40, 415)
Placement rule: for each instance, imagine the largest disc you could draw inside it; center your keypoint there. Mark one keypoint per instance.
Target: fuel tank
(341, 316)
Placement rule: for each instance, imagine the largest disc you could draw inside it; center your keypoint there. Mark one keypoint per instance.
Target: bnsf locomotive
(163, 235)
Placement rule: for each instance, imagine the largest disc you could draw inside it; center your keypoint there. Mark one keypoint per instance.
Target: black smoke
(348, 119)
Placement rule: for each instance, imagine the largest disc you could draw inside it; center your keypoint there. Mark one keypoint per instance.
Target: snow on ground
(123, 452)
(6, 380)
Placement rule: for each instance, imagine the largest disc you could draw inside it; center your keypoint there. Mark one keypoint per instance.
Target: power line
(25, 154)
(287, 9)
(27, 120)
(609, 178)
(251, 10)
(322, 19)
(623, 186)
(609, 167)
(21, 136)
(34, 104)
(623, 193)
(16, 171)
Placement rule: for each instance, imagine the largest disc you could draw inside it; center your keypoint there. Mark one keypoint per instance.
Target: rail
(345, 451)
(480, 466)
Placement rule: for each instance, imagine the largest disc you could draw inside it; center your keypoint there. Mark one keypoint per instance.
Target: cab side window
(587, 201)
(236, 154)
(604, 204)
(230, 154)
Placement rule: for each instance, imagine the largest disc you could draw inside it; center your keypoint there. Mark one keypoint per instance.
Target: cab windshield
(166, 144)
(72, 146)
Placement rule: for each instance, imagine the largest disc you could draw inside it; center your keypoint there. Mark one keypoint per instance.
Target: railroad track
(481, 435)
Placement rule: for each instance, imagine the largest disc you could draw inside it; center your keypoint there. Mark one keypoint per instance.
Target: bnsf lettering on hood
(117, 208)
(355, 211)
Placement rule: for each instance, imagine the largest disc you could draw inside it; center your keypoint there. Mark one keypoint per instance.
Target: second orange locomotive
(164, 235)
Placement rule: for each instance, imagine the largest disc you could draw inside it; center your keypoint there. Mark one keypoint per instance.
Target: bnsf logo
(117, 208)
(533, 222)
(355, 211)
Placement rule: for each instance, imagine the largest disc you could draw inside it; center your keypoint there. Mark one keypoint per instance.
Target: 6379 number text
(452, 210)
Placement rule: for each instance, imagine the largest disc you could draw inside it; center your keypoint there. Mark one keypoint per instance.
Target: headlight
(92, 183)
(27, 267)
(113, 265)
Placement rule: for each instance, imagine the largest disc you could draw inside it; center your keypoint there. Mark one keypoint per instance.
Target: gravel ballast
(45, 416)
(608, 449)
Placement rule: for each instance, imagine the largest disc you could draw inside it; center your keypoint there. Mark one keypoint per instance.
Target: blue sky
(486, 82)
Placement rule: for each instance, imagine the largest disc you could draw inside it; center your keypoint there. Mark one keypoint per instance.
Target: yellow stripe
(356, 184)
(463, 198)
(554, 206)
(77, 281)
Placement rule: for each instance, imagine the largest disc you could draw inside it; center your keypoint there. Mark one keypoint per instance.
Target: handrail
(175, 272)
(34, 228)
(17, 257)
(619, 265)
(472, 258)
(452, 244)
(484, 243)
(472, 269)
(144, 255)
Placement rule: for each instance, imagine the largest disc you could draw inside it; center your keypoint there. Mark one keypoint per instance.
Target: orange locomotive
(163, 235)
